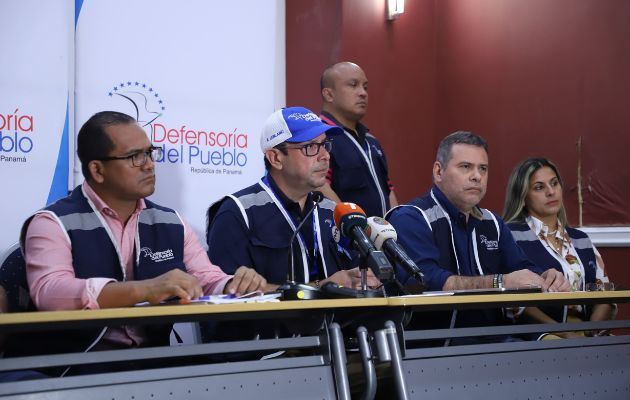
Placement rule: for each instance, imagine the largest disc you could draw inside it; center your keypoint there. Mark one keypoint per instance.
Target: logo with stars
(141, 99)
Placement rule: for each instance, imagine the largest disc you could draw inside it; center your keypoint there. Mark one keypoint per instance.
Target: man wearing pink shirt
(105, 245)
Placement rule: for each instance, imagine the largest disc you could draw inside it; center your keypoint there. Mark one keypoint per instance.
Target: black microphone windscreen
(317, 196)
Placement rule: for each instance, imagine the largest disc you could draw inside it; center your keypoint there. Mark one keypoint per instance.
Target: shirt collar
(539, 227)
(361, 131)
(450, 208)
(100, 204)
(289, 205)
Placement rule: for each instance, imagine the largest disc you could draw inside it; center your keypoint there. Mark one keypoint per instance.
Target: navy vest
(159, 248)
(487, 259)
(354, 179)
(487, 235)
(537, 253)
(269, 235)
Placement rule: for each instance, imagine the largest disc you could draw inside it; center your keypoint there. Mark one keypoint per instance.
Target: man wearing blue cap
(254, 226)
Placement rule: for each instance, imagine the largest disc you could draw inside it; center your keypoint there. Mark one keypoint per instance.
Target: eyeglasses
(312, 149)
(139, 158)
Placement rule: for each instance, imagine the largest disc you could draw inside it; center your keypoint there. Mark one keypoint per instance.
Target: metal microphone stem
(363, 278)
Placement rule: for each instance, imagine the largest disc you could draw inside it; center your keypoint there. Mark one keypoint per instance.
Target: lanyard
(366, 152)
(473, 234)
(309, 261)
(313, 269)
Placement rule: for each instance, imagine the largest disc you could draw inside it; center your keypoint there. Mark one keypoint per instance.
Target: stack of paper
(253, 297)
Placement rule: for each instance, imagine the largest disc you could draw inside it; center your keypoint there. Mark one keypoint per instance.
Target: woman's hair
(515, 209)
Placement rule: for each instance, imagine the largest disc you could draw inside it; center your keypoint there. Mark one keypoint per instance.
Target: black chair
(13, 280)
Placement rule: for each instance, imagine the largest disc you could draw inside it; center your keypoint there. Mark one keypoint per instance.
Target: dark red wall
(533, 77)
(313, 32)
(399, 60)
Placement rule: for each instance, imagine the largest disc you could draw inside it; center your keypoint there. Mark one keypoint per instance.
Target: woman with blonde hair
(535, 213)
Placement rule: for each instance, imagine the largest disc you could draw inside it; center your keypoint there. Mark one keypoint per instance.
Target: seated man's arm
(174, 283)
(458, 282)
(520, 278)
(51, 278)
(228, 242)
(416, 237)
(228, 239)
(515, 266)
(201, 277)
(53, 284)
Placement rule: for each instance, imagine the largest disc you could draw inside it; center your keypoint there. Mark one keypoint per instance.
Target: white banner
(199, 75)
(36, 43)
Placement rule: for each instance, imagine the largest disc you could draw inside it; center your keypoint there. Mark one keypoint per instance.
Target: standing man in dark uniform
(358, 167)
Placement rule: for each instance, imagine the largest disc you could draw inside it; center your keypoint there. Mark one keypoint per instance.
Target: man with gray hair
(457, 244)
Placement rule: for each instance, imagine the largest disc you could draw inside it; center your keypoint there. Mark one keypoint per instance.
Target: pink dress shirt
(54, 286)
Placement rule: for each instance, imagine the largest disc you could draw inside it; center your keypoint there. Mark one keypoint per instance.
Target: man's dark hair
(460, 137)
(282, 149)
(93, 142)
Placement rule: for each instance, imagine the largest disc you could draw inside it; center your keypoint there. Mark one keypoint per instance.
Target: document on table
(516, 290)
(252, 297)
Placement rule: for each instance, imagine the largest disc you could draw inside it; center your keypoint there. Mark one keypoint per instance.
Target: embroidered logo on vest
(335, 234)
(376, 149)
(157, 256)
(490, 244)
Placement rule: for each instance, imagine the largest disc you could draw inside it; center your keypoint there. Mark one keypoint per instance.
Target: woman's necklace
(555, 242)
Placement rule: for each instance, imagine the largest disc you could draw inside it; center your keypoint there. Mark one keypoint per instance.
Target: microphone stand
(370, 258)
(291, 290)
(372, 261)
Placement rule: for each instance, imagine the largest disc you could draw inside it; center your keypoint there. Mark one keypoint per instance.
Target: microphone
(384, 236)
(316, 197)
(351, 221)
(292, 290)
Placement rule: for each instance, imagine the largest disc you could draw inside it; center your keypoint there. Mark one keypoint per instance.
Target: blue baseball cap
(293, 125)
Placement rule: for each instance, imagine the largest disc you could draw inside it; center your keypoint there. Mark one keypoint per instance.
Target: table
(493, 370)
(530, 370)
(310, 375)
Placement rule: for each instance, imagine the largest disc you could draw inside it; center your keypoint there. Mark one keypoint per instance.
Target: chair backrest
(13, 279)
